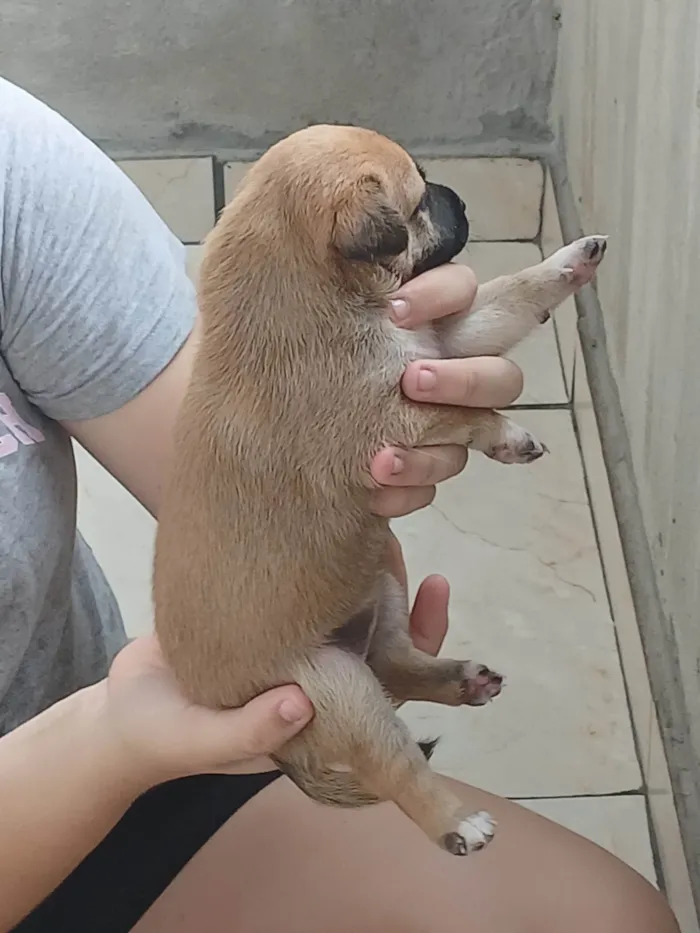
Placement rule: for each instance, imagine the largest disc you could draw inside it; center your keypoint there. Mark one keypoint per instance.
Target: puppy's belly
(421, 344)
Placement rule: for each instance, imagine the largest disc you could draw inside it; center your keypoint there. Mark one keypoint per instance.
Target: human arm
(97, 316)
(69, 774)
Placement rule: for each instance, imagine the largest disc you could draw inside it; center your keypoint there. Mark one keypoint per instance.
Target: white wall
(627, 94)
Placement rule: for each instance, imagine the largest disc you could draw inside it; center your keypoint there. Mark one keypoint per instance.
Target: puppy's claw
(471, 835)
(455, 844)
(480, 684)
(517, 446)
(578, 261)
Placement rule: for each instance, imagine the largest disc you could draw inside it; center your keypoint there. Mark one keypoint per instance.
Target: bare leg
(283, 863)
(410, 674)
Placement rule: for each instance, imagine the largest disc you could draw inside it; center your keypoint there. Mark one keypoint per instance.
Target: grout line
(598, 796)
(568, 389)
(162, 149)
(608, 595)
(530, 240)
(219, 186)
(539, 406)
(158, 157)
(540, 229)
(656, 857)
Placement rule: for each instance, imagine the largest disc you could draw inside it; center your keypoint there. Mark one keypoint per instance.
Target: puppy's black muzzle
(448, 214)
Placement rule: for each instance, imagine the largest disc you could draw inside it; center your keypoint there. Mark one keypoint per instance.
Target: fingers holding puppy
(407, 478)
(449, 289)
(479, 382)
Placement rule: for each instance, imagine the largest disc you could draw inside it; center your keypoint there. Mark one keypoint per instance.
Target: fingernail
(397, 466)
(427, 380)
(400, 309)
(292, 711)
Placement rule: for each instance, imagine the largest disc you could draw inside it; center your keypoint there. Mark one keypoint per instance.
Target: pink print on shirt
(20, 431)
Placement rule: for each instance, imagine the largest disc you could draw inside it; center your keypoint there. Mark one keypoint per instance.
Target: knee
(630, 905)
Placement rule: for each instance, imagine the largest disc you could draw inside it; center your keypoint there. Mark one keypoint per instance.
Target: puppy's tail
(334, 788)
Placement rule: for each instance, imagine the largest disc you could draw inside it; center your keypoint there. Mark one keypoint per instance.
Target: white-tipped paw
(471, 835)
(479, 684)
(516, 445)
(578, 261)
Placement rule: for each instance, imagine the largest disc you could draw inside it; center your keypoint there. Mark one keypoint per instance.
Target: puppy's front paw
(472, 834)
(516, 445)
(579, 260)
(479, 684)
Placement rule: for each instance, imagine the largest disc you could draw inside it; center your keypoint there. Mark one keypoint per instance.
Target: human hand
(159, 735)
(155, 734)
(407, 477)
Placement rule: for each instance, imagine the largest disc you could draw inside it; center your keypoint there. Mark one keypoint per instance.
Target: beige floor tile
(528, 598)
(181, 190)
(538, 355)
(618, 824)
(503, 196)
(121, 533)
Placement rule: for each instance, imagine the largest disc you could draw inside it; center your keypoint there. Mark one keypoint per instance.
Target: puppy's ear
(367, 228)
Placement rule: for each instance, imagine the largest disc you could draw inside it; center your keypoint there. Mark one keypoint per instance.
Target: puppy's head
(358, 197)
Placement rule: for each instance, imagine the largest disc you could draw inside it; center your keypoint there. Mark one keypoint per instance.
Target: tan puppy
(266, 542)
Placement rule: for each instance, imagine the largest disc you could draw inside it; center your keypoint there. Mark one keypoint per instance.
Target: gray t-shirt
(94, 303)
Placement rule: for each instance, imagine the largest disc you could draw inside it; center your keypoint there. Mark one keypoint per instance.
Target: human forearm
(63, 786)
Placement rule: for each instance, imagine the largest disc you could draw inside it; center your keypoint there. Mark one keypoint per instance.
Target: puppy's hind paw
(480, 684)
(472, 834)
(516, 445)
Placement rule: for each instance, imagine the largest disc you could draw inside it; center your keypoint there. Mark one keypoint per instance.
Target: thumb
(254, 730)
(429, 614)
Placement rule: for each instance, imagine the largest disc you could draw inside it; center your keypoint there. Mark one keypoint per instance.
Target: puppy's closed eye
(367, 227)
(420, 206)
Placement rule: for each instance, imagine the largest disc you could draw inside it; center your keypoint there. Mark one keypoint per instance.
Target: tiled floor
(517, 544)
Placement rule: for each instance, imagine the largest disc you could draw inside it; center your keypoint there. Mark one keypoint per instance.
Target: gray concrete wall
(211, 75)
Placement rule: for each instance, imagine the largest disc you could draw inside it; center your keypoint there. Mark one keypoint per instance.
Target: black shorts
(119, 880)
